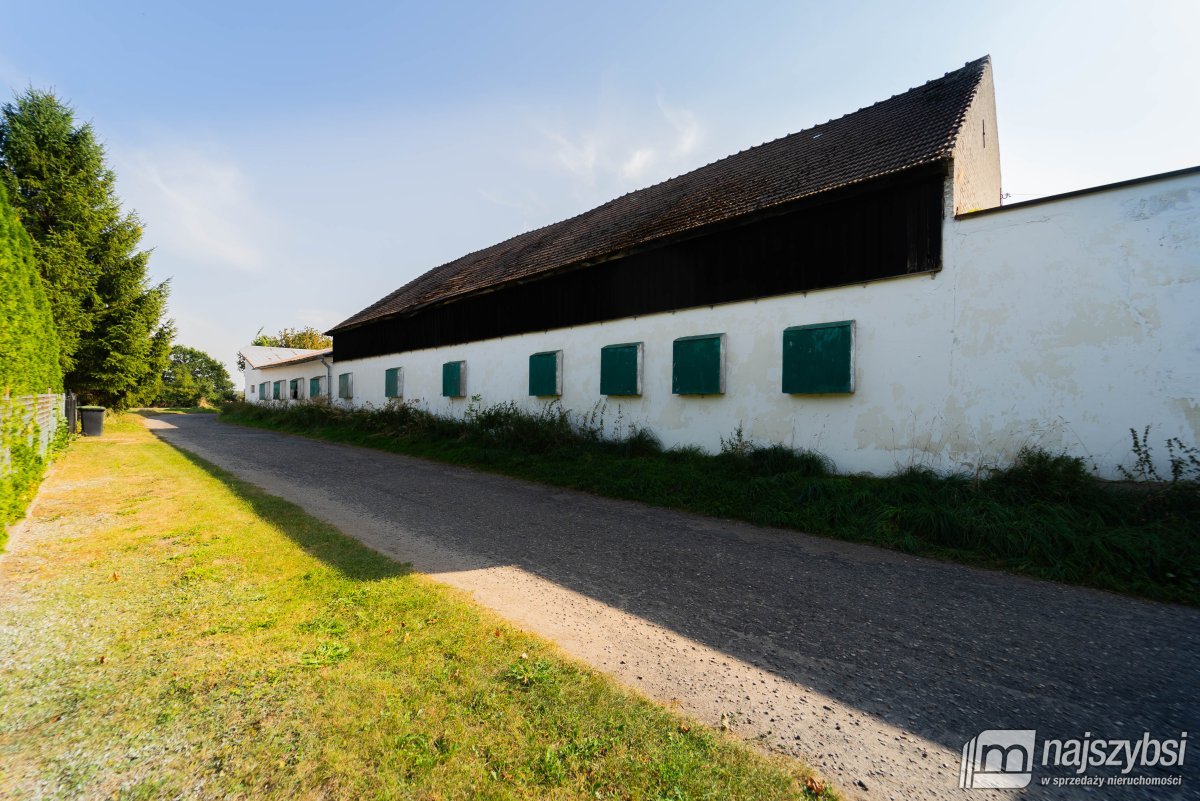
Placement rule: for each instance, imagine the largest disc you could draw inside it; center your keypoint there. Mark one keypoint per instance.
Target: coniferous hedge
(29, 362)
(28, 342)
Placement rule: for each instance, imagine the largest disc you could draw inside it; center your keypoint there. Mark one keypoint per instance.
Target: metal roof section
(260, 357)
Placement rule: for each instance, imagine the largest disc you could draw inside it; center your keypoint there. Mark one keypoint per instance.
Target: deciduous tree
(307, 338)
(193, 376)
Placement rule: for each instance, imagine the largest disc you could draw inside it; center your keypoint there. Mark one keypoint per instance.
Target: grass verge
(178, 410)
(1043, 516)
(172, 631)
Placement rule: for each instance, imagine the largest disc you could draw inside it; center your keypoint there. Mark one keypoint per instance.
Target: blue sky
(293, 162)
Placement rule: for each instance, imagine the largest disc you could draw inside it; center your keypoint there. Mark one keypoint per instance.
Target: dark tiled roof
(917, 127)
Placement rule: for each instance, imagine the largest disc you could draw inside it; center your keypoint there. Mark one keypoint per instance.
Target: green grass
(178, 410)
(171, 631)
(1043, 516)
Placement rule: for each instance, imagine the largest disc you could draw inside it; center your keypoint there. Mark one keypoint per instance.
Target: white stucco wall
(1061, 324)
(1076, 320)
(890, 315)
(303, 370)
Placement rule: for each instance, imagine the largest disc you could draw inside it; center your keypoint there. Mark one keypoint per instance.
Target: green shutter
(294, 389)
(545, 374)
(819, 359)
(314, 387)
(344, 388)
(277, 390)
(621, 369)
(453, 385)
(697, 365)
(391, 382)
(262, 391)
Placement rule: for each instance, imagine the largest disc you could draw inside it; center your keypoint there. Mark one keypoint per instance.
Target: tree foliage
(113, 341)
(307, 338)
(28, 341)
(193, 376)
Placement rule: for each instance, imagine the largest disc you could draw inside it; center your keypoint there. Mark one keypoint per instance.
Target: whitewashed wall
(285, 373)
(1074, 321)
(1061, 324)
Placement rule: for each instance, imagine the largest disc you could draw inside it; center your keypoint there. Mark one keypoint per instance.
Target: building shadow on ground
(940, 650)
(348, 556)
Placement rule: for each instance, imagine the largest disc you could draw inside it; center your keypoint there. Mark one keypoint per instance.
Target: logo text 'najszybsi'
(1004, 759)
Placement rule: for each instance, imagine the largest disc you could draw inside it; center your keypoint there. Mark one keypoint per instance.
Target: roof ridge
(952, 141)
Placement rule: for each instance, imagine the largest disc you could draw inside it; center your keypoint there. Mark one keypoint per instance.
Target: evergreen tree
(113, 341)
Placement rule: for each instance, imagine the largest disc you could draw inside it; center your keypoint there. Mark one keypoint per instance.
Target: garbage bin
(93, 420)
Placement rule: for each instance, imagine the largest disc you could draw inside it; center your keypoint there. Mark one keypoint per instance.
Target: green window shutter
(294, 389)
(391, 382)
(819, 359)
(621, 369)
(545, 374)
(698, 365)
(454, 384)
(277, 390)
(314, 387)
(262, 391)
(345, 387)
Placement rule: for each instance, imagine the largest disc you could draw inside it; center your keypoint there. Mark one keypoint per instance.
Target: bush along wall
(1044, 515)
(29, 365)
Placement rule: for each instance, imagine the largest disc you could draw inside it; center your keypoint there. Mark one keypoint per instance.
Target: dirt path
(874, 666)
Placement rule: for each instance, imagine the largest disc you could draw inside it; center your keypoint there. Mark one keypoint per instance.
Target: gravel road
(874, 666)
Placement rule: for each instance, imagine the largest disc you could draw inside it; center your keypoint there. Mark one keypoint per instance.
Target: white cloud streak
(198, 207)
(638, 163)
(623, 150)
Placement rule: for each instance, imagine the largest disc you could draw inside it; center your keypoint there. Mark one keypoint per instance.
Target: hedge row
(28, 361)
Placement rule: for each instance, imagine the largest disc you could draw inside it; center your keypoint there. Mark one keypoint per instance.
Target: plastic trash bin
(92, 418)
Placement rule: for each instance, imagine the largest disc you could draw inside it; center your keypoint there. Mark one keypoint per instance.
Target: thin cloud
(578, 159)
(624, 149)
(636, 166)
(198, 207)
(528, 205)
(688, 132)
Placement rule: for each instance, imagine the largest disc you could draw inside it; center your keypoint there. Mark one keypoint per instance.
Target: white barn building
(286, 375)
(855, 288)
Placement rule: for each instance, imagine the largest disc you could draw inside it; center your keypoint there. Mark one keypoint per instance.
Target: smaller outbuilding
(285, 375)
